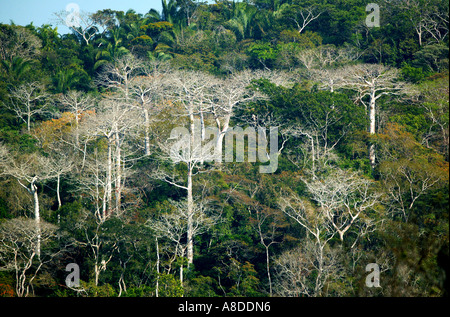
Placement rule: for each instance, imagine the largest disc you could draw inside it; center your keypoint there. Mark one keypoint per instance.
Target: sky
(40, 12)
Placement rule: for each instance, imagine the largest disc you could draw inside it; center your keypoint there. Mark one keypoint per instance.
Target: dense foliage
(88, 173)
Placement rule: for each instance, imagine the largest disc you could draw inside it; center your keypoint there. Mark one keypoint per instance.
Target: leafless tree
(116, 119)
(228, 94)
(318, 230)
(173, 226)
(296, 268)
(21, 43)
(428, 18)
(19, 250)
(112, 122)
(267, 223)
(345, 198)
(340, 201)
(190, 94)
(436, 104)
(77, 103)
(28, 100)
(29, 170)
(148, 91)
(405, 182)
(372, 81)
(81, 23)
(304, 15)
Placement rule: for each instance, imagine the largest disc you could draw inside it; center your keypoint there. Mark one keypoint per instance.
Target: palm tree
(114, 48)
(169, 10)
(16, 68)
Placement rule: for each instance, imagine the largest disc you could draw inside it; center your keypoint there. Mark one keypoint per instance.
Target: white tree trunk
(118, 175)
(190, 206)
(147, 132)
(108, 185)
(58, 195)
(37, 218)
(157, 269)
(372, 112)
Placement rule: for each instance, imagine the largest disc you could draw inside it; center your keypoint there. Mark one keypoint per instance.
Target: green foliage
(409, 236)
(169, 286)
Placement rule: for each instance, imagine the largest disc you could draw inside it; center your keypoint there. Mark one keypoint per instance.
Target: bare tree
(148, 91)
(77, 103)
(118, 117)
(28, 100)
(267, 223)
(428, 17)
(190, 93)
(345, 198)
(296, 268)
(406, 181)
(21, 42)
(118, 76)
(372, 81)
(436, 104)
(302, 16)
(322, 61)
(113, 122)
(173, 226)
(318, 230)
(19, 250)
(339, 202)
(29, 170)
(81, 23)
(229, 93)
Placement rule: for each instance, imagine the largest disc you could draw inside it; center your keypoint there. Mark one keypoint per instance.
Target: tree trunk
(219, 142)
(108, 185)
(28, 118)
(268, 269)
(372, 127)
(190, 199)
(37, 218)
(118, 175)
(58, 195)
(157, 269)
(190, 206)
(147, 132)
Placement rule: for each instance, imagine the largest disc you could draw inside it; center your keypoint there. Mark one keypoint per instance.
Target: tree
(372, 81)
(319, 232)
(113, 122)
(173, 226)
(19, 250)
(118, 117)
(77, 103)
(229, 94)
(346, 199)
(83, 24)
(267, 223)
(407, 171)
(18, 42)
(190, 94)
(436, 104)
(295, 270)
(302, 15)
(428, 17)
(29, 170)
(28, 100)
(340, 202)
(148, 90)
